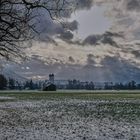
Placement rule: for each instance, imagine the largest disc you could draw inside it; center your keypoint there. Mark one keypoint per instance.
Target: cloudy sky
(98, 41)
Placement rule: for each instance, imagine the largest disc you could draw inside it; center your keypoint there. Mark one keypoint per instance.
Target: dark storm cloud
(46, 24)
(65, 31)
(133, 5)
(71, 59)
(92, 40)
(45, 27)
(113, 34)
(49, 28)
(66, 35)
(136, 53)
(71, 25)
(106, 38)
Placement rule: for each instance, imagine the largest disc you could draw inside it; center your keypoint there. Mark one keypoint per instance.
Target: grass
(102, 113)
(86, 95)
(117, 104)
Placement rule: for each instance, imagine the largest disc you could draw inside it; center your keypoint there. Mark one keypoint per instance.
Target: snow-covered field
(69, 119)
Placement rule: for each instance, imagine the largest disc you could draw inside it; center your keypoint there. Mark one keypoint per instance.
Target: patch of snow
(6, 98)
(70, 119)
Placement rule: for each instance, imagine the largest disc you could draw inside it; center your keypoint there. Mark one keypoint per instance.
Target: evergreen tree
(3, 82)
(11, 83)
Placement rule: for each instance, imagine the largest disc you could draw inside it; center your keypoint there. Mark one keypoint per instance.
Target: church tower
(51, 78)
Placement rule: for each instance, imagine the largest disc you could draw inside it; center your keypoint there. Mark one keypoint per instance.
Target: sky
(98, 41)
(91, 21)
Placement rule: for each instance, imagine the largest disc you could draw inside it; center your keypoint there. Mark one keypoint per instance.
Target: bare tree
(17, 22)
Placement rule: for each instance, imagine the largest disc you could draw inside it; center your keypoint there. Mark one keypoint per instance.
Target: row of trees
(76, 84)
(10, 83)
(132, 85)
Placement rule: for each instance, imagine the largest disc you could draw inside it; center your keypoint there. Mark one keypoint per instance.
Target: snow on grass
(70, 119)
(6, 98)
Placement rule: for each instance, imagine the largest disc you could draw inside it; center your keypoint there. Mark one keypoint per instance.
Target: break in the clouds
(92, 17)
(98, 40)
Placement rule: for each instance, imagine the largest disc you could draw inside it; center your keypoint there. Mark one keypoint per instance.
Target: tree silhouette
(3, 82)
(11, 83)
(17, 22)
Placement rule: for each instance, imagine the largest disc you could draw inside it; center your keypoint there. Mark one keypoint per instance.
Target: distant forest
(12, 84)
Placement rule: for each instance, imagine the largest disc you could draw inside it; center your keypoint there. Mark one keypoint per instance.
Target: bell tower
(51, 78)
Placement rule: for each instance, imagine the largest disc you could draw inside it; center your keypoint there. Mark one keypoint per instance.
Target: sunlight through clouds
(100, 37)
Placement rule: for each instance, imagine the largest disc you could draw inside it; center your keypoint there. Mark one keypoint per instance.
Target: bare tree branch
(17, 22)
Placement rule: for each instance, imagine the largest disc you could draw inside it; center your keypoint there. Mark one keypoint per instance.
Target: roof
(48, 84)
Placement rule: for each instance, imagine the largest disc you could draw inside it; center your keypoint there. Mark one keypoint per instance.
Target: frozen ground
(69, 119)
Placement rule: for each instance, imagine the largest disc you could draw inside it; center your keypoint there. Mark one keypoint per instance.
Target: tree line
(76, 84)
(12, 84)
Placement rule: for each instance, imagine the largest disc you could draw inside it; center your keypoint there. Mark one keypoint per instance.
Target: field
(73, 115)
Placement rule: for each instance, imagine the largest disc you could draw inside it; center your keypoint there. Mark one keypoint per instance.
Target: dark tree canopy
(17, 22)
(3, 82)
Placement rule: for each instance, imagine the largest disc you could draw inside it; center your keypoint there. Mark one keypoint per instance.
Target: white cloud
(65, 57)
(51, 54)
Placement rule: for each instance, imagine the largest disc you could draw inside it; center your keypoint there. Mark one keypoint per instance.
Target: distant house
(49, 85)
